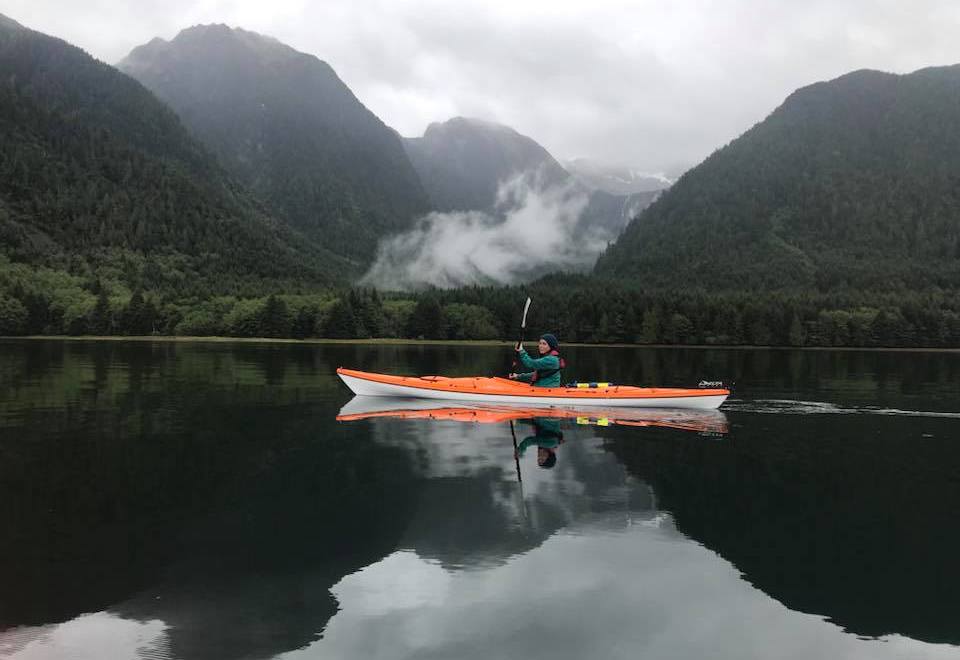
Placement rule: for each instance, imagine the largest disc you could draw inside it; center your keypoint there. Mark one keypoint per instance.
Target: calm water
(202, 502)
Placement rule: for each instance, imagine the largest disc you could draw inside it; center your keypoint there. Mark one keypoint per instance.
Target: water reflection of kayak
(503, 390)
(368, 407)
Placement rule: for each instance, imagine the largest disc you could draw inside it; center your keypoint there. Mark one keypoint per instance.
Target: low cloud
(536, 229)
(657, 86)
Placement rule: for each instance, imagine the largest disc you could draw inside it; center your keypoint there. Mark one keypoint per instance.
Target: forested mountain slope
(290, 129)
(852, 183)
(462, 161)
(98, 178)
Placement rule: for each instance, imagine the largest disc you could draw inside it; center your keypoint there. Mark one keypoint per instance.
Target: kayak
(480, 389)
(711, 422)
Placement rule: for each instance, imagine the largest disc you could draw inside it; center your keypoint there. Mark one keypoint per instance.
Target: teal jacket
(543, 364)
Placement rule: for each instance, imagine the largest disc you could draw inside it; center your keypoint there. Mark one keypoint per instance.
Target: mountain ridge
(850, 182)
(98, 174)
(463, 163)
(289, 128)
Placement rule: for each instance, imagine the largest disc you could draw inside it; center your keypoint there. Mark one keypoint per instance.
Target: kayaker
(547, 437)
(546, 368)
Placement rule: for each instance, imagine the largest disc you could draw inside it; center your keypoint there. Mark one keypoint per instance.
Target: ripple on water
(796, 407)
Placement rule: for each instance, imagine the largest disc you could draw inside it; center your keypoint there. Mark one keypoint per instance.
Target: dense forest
(576, 309)
(850, 184)
(98, 179)
(290, 130)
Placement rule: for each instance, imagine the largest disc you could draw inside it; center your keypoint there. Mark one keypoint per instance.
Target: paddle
(516, 456)
(516, 460)
(523, 326)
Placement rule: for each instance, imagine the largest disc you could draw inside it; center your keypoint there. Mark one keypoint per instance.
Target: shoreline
(453, 342)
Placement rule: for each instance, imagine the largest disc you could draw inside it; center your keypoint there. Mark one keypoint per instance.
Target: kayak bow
(502, 390)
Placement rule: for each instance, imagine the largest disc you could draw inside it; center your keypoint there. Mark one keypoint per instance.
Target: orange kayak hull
(502, 390)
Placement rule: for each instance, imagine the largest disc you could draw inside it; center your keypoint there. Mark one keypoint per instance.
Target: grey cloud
(650, 85)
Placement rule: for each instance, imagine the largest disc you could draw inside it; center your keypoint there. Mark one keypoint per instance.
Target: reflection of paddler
(547, 437)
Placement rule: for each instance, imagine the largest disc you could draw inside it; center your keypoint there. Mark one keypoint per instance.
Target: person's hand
(512, 376)
(519, 346)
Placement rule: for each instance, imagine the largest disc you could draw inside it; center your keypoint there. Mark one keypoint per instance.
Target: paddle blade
(526, 308)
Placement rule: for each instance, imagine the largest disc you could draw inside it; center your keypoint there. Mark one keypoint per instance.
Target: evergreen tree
(370, 312)
(426, 321)
(13, 316)
(650, 330)
(795, 334)
(100, 321)
(342, 322)
(274, 318)
(303, 324)
(133, 320)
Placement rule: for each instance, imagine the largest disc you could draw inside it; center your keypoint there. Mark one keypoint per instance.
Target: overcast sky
(656, 85)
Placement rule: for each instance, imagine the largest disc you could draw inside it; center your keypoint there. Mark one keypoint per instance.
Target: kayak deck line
(503, 390)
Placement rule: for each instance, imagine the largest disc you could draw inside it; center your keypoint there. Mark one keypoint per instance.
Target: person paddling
(546, 368)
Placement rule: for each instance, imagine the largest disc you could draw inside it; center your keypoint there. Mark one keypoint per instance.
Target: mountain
(99, 178)
(9, 24)
(463, 162)
(288, 128)
(852, 183)
(615, 179)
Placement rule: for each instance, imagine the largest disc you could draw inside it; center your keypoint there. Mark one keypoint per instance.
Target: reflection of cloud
(473, 512)
(534, 235)
(450, 449)
(93, 636)
(399, 581)
(636, 594)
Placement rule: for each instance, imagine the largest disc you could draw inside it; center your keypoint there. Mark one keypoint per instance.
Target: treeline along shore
(133, 206)
(581, 310)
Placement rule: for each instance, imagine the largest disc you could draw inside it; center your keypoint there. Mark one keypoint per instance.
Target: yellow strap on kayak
(583, 420)
(603, 421)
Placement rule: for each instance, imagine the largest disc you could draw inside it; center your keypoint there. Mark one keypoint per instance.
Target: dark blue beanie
(551, 340)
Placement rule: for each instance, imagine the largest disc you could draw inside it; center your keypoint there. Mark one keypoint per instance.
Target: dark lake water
(200, 501)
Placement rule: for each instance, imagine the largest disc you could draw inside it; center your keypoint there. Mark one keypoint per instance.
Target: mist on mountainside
(536, 228)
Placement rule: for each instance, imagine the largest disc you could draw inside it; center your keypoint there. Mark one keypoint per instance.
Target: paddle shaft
(516, 455)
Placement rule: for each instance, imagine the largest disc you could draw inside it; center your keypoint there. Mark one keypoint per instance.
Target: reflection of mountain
(256, 578)
(858, 528)
(215, 507)
(209, 488)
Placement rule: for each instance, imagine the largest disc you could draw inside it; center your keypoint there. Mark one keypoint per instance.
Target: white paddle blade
(526, 308)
